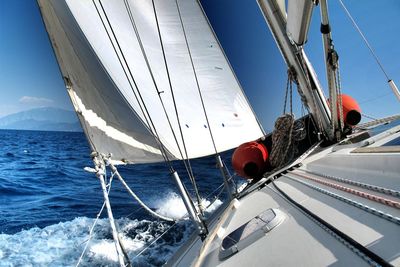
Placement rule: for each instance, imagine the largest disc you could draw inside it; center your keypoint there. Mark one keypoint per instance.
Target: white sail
(116, 93)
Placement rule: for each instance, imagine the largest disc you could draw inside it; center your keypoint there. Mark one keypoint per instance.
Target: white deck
(299, 240)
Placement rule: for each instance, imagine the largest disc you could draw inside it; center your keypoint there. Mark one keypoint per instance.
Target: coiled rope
(287, 130)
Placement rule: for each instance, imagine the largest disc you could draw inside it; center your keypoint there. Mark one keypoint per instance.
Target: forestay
(116, 93)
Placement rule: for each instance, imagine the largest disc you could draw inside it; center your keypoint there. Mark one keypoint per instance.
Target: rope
(281, 140)
(281, 137)
(366, 195)
(356, 204)
(314, 101)
(338, 86)
(367, 255)
(288, 85)
(359, 184)
(155, 214)
(141, 103)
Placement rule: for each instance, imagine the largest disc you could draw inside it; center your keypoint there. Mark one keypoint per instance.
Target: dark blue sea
(48, 203)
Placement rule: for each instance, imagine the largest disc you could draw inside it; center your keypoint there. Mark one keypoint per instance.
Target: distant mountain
(45, 119)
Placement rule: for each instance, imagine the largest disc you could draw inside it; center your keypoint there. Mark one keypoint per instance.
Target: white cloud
(35, 100)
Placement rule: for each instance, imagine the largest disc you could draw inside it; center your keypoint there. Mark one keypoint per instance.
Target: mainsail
(139, 73)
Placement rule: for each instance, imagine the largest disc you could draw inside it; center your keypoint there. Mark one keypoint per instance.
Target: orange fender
(249, 159)
(351, 110)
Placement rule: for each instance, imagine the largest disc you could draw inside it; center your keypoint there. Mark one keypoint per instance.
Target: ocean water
(48, 204)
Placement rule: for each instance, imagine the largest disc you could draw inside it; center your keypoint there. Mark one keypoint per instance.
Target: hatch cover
(250, 232)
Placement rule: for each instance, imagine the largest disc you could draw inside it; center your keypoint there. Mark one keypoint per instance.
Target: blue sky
(29, 75)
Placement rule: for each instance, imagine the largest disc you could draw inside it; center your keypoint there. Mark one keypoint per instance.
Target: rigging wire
(391, 82)
(94, 223)
(132, 20)
(218, 156)
(229, 64)
(154, 241)
(188, 166)
(144, 109)
(374, 98)
(101, 173)
(369, 117)
(195, 76)
(365, 39)
(154, 130)
(130, 191)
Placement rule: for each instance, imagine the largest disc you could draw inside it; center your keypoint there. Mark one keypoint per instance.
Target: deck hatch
(250, 232)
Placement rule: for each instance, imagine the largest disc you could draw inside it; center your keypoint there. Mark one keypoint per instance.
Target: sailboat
(150, 82)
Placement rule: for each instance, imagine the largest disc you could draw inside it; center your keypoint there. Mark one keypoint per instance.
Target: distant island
(44, 119)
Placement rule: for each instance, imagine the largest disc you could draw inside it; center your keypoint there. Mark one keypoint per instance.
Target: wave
(174, 207)
(62, 244)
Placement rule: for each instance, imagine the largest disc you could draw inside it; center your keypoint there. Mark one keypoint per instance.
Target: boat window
(250, 232)
(394, 142)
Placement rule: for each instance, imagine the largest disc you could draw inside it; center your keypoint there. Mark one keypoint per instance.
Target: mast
(296, 59)
(331, 59)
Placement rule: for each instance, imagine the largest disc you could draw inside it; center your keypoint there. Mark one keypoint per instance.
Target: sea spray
(61, 244)
(48, 204)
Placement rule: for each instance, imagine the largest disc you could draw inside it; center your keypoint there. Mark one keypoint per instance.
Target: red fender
(351, 110)
(249, 159)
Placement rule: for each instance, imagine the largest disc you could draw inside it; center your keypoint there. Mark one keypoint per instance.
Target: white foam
(61, 244)
(173, 206)
(104, 249)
